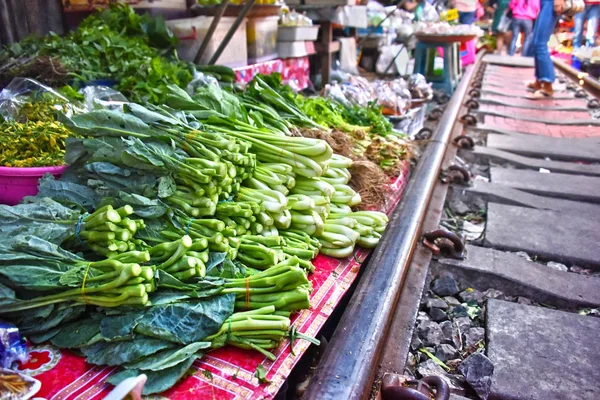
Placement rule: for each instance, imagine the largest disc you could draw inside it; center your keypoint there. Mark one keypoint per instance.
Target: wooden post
(326, 55)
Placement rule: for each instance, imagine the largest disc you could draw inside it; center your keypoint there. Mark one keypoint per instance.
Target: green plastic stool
(424, 61)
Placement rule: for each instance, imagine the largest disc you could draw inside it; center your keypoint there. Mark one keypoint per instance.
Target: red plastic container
(16, 183)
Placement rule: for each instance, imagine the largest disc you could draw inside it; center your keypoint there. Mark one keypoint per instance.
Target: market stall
(193, 229)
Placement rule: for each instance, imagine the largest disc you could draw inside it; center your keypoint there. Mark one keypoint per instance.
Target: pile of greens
(153, 310)
(135, 52)
(186, 221)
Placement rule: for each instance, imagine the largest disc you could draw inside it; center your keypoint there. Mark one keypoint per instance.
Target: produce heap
(135, 51)
(183, 225)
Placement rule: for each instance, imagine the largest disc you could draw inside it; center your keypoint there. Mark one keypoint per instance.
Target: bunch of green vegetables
(192, 169)
(161, 340)
(109, 232)
(370, 116)
(307, 156)
(46, 274)
(106, 232)
(116, 44)
(329, 113)
(269, 89)
(291, 197)
(343, 230)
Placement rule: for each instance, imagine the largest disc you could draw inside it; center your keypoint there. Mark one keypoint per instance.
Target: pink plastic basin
(16, 183)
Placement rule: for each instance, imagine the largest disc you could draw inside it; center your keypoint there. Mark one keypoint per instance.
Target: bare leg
(500, 43)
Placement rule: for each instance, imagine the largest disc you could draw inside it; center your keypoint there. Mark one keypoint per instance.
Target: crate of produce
(191, 33)
(298, 33)
(261, 38)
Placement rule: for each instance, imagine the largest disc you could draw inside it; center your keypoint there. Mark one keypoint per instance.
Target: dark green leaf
(77, 333)
(59, 316)
(168, 358)
(116, 327)
(31, 263)
(108, 123)
(118, 353)
(158, 381)
(186, 322)
(45, 219)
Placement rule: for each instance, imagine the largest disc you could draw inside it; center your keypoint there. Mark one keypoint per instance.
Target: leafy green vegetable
(261, 374)
(186, 322)
(158, 381)
(168, 358)
(119, 353)
(115, 44)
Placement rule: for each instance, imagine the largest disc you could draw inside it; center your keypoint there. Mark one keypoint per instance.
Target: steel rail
(349, 364)
(591, 84)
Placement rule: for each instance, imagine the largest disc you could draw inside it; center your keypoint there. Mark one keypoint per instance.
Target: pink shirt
(525, 9)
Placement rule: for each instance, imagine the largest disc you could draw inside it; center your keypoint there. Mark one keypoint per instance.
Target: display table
(226, 373)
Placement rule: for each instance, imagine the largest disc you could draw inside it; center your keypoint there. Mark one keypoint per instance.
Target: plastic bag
(26, 99)
(430, 14)
(200, 80)
(419, 87)
(396, 53)
(102, 97)
(294, 18)
(334, 91)
(12, 346)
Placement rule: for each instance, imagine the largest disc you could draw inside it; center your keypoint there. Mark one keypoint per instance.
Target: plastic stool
(468, 52)
(424, 57)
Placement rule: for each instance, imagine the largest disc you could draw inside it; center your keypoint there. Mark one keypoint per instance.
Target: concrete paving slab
(509, 61)
(501, 124)
(542, 354)
(485, 268)
(548, 118)
(587, 149)
(565, 237)
(497, 155)
(533, 105)
(510, 196)
(499, 80)
(522, 93)
(563, 186)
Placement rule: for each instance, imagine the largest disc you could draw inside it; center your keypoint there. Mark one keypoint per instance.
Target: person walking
(590, 14)
(499, 31)
(466, 10)
(524, 12)
(550, 10)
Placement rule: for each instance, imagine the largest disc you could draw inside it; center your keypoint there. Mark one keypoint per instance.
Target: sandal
(534, 86)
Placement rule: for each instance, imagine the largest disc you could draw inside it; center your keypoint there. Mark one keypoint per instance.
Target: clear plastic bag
(200, 80)
(26, 99)
(418, 86)
(102, 97)
(334, 91)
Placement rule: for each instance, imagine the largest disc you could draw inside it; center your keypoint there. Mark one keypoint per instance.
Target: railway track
(520, 181)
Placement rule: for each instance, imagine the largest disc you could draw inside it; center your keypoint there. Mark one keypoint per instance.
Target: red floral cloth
(294, 71)
(65, 376)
